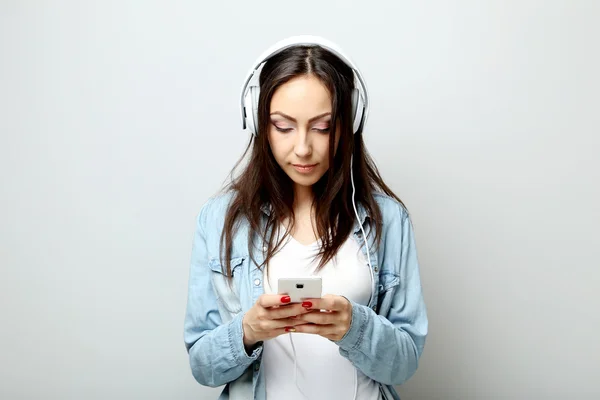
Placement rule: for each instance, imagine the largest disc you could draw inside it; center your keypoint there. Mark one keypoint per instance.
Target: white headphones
(251, 88)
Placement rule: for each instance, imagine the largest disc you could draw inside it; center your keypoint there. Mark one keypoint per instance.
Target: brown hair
(262, 180)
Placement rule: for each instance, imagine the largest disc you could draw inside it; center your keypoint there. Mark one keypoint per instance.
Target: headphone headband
(251, 87)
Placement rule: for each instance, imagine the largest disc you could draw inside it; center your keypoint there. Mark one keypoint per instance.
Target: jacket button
(257, 282)
(376, 269)
(256, 366)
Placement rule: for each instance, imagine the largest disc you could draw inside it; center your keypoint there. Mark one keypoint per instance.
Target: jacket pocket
(388, 283)
(387, 280)
(226, 287)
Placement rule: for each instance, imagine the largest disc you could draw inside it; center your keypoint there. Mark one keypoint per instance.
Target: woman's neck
(303, 199)
(304, 218)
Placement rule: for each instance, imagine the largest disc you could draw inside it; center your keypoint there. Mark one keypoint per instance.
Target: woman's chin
(304, 180)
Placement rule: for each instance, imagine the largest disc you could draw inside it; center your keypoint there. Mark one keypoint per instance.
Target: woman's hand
(271, 316)
(333, 323)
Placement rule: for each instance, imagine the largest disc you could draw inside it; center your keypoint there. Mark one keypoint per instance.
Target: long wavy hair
(263, 182)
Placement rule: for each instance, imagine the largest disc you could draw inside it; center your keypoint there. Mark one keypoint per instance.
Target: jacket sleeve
(387, 348)
(216, 350)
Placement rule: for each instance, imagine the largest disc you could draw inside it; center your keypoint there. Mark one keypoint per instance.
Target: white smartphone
(300, 288)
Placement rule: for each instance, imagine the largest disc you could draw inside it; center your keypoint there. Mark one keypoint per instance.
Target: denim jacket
(385, 338)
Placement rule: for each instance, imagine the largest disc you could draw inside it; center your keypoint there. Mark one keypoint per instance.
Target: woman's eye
(317, 128)
(282, 129)
(324, 129)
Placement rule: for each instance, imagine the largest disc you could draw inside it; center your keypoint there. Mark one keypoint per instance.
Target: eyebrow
(294, 119)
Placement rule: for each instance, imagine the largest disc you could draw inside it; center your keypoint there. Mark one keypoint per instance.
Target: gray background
(119, 119)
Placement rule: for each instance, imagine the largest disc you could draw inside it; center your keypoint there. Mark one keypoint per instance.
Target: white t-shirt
(322, 373)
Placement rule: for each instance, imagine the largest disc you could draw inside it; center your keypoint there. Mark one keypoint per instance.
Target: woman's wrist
(249, 342)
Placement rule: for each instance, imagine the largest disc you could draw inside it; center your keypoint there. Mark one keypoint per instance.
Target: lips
(304, 165)
(304, 168)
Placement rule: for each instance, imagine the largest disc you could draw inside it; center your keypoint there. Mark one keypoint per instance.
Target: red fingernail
(289, 329)
(306, 304)
(286, 299)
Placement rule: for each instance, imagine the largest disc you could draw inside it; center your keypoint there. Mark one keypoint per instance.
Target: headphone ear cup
(357, 110)
(255, 93)
(249, 112)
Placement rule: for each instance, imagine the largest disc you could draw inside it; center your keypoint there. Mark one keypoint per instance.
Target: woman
(309, 202)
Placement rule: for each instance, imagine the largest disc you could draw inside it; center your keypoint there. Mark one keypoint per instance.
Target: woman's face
(299, 129)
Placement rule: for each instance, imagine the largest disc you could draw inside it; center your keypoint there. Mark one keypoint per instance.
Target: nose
(302, 147)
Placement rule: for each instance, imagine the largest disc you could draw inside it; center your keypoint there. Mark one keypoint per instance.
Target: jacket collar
(267, 208)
